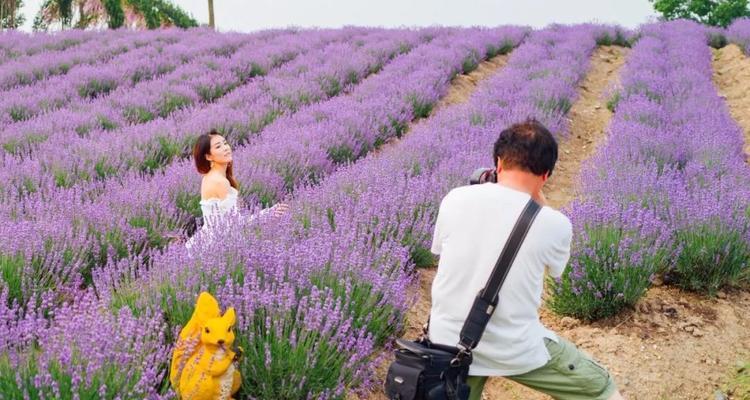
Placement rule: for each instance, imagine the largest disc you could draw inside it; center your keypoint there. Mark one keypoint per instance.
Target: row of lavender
(318, 309)
(114, 63)
(669, 192)
(55, 239)
(16, 44)
(242, 112)
(739, 33)
(153, 82)
(319, 290)
(31, 58)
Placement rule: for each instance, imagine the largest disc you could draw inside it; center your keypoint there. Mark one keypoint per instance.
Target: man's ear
(545, 176)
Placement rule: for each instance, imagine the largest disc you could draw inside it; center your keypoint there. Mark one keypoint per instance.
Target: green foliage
(103, 169)
(27, 276)
(96, 87)
(63, 179)
(15, 21)
(266, 197)
(341, 154)
(155, 238)
(137, 114)
(249, 71)
(739, 386)
(115, 13)
(361, 302)
(476, 119)
(606, 40)
(158, 12)
(469, 64)
(160, 153)
(11, 275)
(19, 146)
(717, 40)
(420, 108)
(257, 125)
(330, 85)
(211, 92)
(554, 105)
(613, 101)
(612, 273)
(65, 9)
(710, 12)
(23, 383)
(106, 123)
(278, 344)
(711, 257)
(171, 102)
(19, 113)
(503, 48)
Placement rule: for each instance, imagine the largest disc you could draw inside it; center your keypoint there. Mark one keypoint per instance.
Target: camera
(483, 175)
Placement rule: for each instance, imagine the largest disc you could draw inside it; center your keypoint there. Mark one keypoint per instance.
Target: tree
(9, 16)
(711, 12)
(211, 14)
(114, 14)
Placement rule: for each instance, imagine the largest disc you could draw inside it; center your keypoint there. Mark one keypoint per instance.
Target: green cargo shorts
(569, 375)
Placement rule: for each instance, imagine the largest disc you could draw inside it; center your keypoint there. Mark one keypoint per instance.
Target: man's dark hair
(527, 146)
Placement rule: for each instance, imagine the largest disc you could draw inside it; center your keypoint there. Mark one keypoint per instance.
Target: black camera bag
(429, 371)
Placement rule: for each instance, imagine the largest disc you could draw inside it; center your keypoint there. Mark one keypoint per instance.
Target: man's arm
(437, 236)
(559, 249)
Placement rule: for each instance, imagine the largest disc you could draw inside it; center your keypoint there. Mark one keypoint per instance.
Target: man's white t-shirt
(472, 227)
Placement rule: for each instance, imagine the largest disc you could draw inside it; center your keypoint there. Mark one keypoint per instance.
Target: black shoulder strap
(486, 301)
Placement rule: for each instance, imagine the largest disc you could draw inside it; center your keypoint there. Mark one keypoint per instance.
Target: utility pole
(2, 13)
(211, 14)
(13, 5)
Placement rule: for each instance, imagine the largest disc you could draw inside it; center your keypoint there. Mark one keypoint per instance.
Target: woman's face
(220, 152)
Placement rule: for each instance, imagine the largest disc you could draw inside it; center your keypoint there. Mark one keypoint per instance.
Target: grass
(739, 385)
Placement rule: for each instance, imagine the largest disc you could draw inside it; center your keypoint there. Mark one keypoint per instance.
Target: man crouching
(472, 227)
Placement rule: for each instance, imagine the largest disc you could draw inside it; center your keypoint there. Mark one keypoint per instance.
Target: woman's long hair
(201, 149)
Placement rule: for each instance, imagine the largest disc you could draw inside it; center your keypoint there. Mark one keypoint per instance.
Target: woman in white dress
(219, 188)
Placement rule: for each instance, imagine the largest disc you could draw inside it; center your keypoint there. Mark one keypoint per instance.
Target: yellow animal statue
(203, 364)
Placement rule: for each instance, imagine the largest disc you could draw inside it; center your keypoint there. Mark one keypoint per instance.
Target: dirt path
(732, 79)
(460, 90)
(589, 120)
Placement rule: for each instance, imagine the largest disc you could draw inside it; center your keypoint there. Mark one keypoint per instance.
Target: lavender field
(99, 192)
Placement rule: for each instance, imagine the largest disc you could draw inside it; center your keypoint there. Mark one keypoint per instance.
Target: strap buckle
(463, 353)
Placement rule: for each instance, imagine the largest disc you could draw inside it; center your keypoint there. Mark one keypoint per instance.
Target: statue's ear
(207, 307)
(229, 316)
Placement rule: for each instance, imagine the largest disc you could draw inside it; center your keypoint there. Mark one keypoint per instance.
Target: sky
(252, 15)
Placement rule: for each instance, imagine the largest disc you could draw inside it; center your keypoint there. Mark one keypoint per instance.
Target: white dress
(213, 209)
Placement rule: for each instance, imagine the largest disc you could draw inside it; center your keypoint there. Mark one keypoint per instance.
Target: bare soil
(589, 119)
(732, 79)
